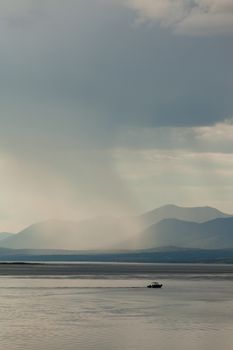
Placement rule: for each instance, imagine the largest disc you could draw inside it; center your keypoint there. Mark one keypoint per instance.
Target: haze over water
(103, 308)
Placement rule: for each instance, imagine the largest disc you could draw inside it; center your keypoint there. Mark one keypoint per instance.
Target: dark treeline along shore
(157, 255)
(105, 270)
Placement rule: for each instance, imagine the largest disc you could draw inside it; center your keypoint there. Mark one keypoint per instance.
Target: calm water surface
(116, 312)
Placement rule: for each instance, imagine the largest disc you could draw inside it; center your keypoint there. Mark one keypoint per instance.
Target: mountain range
(171, 211)
(214, 234)
(98, 233)
(4, 235)
(170, 225)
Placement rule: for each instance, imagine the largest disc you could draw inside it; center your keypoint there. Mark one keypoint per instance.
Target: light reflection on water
(68, 314)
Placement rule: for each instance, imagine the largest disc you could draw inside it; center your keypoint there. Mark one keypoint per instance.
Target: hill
(193, 214)
(214, 234)
(4, 235)
(171, 226)
(98, 233)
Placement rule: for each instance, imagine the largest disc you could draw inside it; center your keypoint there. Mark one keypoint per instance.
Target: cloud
(187, 165)
(214, 138)
(218, 136)
(87, 58)
(21, 14)
(186, 177)
(77, 79)
(191, 17)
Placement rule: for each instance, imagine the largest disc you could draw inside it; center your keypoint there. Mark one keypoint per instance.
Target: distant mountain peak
(214, 234)
(107, 232)
(176, 206)
(172, 211)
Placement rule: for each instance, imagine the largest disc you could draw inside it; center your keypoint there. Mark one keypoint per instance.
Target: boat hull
(157, 286)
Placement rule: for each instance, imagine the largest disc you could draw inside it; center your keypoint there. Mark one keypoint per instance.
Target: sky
(114, 107)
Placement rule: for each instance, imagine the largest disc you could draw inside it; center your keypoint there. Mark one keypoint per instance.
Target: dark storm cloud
(76, 76)
(108, 72)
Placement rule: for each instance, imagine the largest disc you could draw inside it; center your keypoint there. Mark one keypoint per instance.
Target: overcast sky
(114, 107)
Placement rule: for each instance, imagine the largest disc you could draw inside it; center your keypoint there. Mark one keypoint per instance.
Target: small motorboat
(155, 285)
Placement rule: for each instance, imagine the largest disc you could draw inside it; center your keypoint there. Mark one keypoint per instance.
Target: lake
(106, 306)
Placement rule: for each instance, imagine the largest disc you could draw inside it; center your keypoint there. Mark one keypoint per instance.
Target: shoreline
(106, 270)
